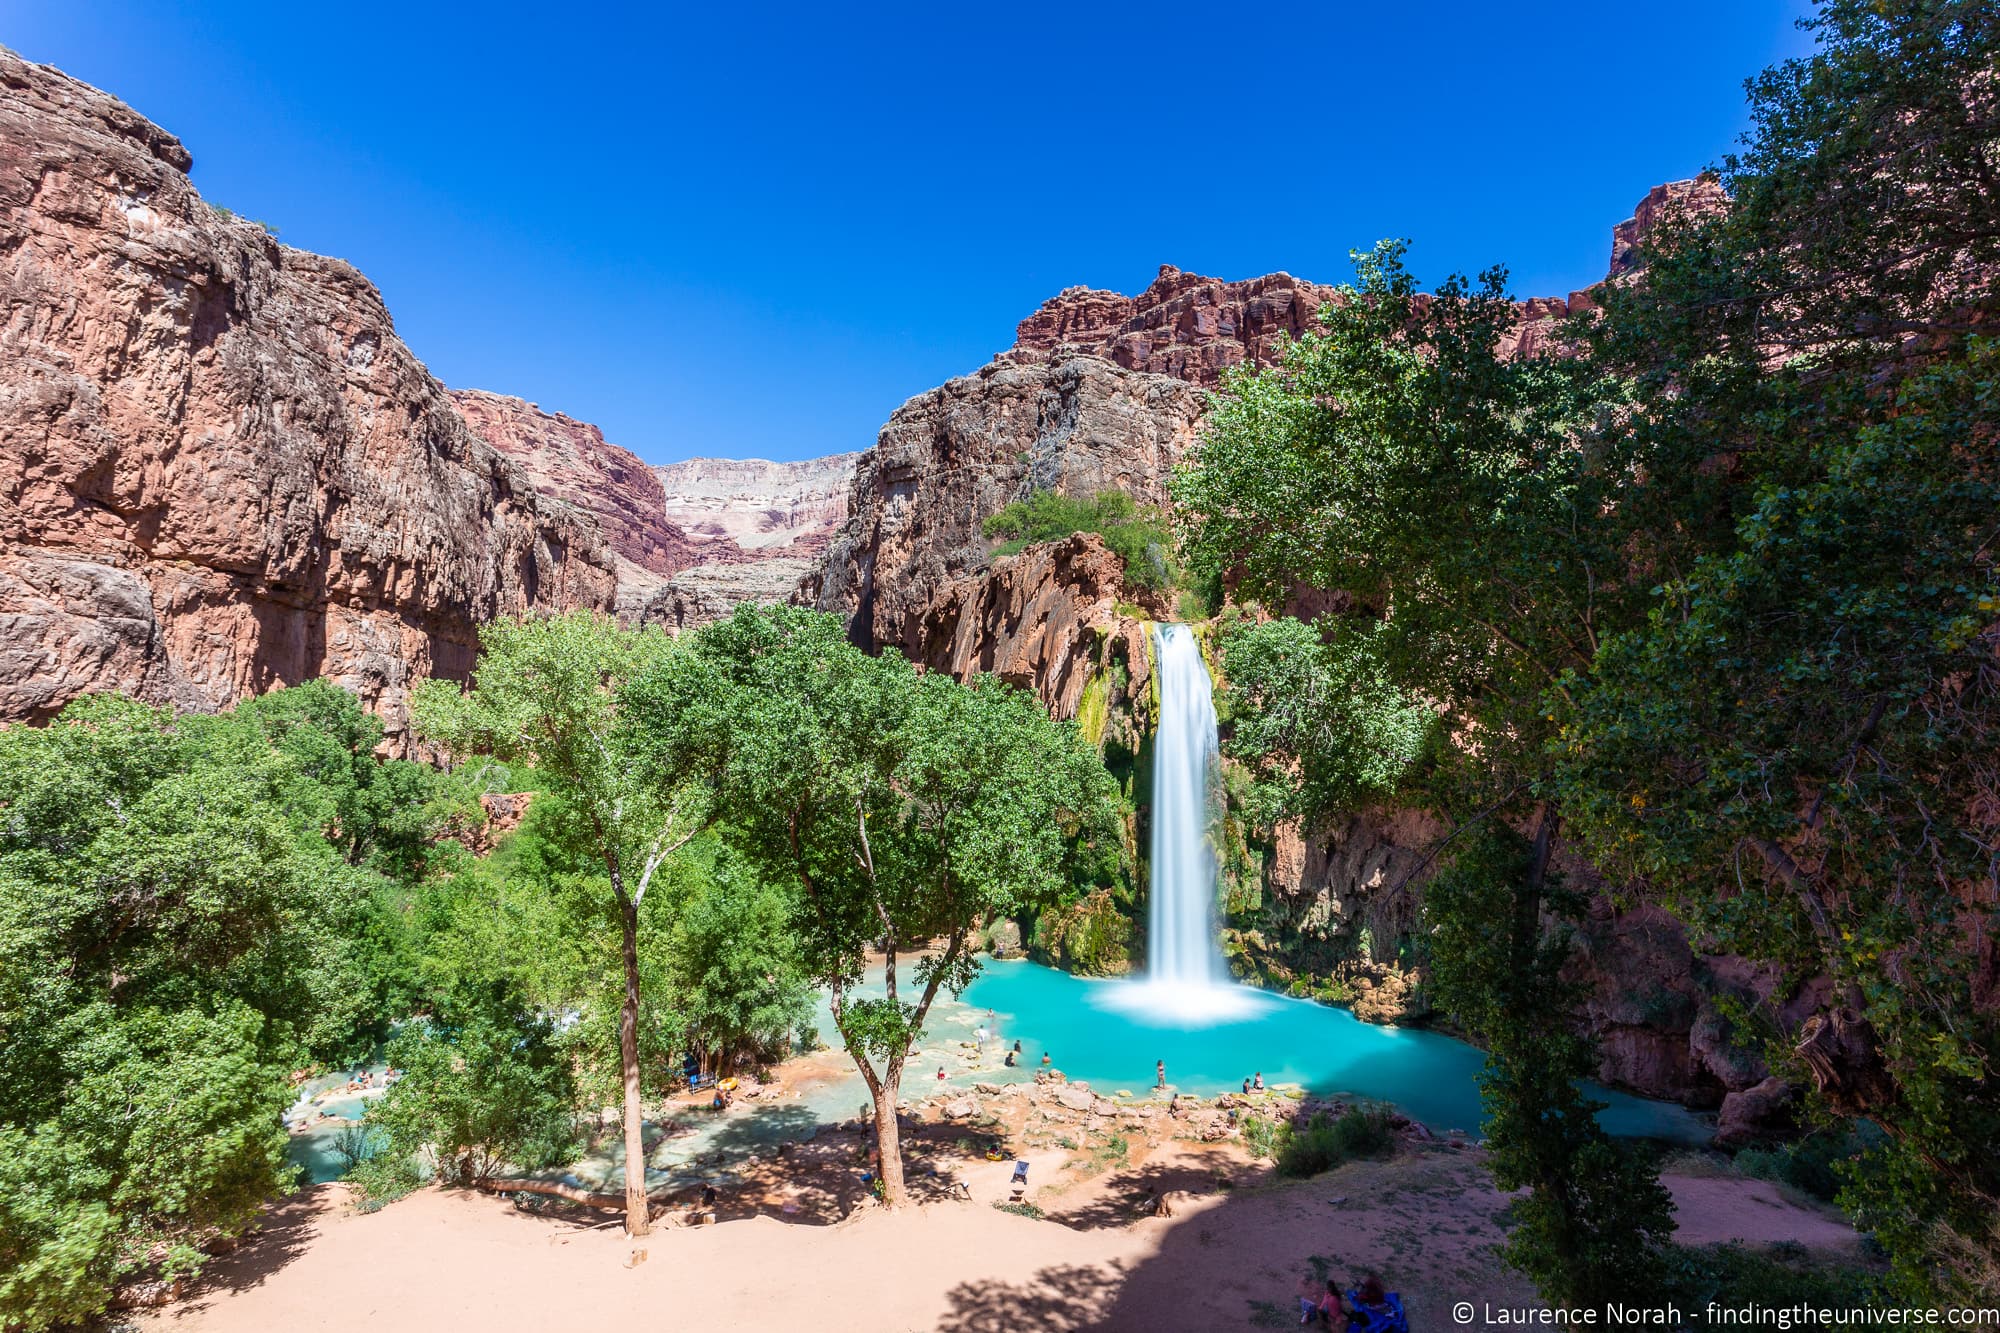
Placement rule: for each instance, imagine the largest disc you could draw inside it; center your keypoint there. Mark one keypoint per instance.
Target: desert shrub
(1324, 1142)
(1813, 1164)
(383, 1177)
(1783, 1276)
(1140, 537)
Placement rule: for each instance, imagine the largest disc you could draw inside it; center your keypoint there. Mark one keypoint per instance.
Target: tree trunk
(889, 1138)
(637, 1220)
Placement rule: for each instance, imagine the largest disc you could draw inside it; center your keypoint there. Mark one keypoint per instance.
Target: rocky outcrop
(570, 460)
(751, 506)
(1038, 619)
(220, 469)
(705, 593)
(949, 459)
(1184, 325)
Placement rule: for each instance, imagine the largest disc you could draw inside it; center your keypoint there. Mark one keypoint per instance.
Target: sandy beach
(1230, 1256)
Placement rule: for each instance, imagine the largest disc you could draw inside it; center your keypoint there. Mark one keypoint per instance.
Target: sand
(1229, 1257)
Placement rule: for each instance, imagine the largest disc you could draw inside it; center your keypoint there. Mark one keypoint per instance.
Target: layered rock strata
(570, 460)
(220, 469)
(692, 539)
(754, 507)
(949, 459)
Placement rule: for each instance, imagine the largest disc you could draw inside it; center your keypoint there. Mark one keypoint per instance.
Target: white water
(1186, 980)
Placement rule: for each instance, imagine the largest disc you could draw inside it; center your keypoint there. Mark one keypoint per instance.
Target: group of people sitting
(1254, 1084)
(1367, 1308)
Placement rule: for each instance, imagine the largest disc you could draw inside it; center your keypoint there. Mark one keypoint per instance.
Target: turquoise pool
(1090, 1035)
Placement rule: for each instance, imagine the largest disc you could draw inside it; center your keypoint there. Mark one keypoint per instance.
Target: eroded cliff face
(220, 469)
(752, 506)
(690, 541)
(951, 458)
(1184, 325)
(571, 461)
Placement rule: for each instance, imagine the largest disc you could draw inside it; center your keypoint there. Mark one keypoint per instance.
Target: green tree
(176, 932)
(559, 694)
(1715, 596)
(908, 809)
(1311, 711)
(489, 1092)
(1595, 1222)
(734, 966)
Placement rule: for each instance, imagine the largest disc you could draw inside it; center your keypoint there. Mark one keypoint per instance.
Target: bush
(1137, 536)
(1782, 1276)
(491, 1093)
(383, 1178)
(1812, 1164)
(1324, 1143)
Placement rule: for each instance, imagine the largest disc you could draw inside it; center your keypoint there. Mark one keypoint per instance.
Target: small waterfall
(1183, 950)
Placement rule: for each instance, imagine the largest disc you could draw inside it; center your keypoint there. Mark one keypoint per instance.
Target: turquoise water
(1091, 1036)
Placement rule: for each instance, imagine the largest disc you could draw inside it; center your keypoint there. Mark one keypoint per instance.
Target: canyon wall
(753, 505)
(690, 540)
(951, 458)
(220, 469)
(571, 461)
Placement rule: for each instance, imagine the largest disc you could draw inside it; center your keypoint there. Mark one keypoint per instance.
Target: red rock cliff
(571, 461)
(220, 469)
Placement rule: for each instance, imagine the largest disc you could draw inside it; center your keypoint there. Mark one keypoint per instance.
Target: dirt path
(1229, 1257)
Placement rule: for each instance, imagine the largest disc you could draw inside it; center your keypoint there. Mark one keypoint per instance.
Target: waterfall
(1186, 983)
(1183, 947)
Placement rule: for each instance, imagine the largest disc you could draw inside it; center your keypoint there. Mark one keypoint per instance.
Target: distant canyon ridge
(222, 471)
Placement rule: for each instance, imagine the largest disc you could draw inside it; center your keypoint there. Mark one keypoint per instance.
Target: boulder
(1075, 1098)
(1750, 1115)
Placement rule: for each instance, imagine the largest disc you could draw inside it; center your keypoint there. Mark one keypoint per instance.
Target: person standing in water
(1160, 1074)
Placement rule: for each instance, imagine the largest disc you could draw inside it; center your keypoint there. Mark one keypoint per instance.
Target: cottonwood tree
(562, 695)
(908, 809)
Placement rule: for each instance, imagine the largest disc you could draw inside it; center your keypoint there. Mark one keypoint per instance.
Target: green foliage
(621, 726)
(494, 1092)
(897, 807)
(1089, 936)
(1264, 1137)
(1591, 1227)
(181, 922)
(1715, 595)
(736, 975)
(1781, 1277)
(1815, 1164)
(1312, 711)
(1325, 1142)
(1139, 537)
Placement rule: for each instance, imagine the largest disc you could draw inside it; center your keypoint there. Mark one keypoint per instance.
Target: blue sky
(736, 230)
